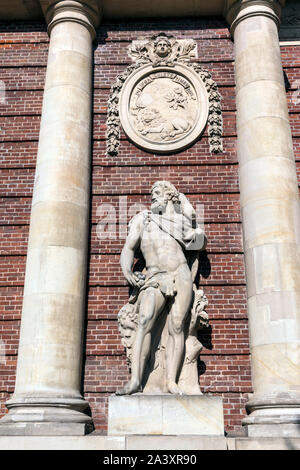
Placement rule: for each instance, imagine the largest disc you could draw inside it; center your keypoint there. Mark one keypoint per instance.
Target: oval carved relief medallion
(164, 99)
(163, 109)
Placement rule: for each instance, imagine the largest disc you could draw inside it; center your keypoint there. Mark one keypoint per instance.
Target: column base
(273, 430)
(45, 429)
(46, 417)
(273, 416)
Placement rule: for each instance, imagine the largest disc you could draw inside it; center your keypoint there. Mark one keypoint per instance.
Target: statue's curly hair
(169, 189)
(161, 37)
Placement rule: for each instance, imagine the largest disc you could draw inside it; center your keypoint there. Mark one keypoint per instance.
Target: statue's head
(161, 193)
(162, 46)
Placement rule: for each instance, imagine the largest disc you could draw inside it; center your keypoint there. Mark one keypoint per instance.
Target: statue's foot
(173, 388)
(131, 387)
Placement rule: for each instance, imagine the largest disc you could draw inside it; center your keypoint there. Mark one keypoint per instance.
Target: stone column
(47, 398)
(271, 219)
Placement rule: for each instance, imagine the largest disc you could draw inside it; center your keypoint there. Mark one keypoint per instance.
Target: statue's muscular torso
(160, 249)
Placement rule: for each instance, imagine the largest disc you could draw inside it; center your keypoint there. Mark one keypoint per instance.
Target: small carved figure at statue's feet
(173, 388)
(131, 387)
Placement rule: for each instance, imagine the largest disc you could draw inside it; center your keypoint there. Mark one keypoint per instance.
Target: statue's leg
(151, 304)
(177, 316)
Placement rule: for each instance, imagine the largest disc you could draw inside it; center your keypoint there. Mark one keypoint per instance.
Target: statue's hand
(189, 235)
(130, 277)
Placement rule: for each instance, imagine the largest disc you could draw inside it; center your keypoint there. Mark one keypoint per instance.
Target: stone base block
(273, 430)
(265, 443)
(89, 442)
(176, 442)
(45, 429)
(95, 442)
(200, 415)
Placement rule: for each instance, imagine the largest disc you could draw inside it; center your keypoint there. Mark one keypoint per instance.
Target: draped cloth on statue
(181, 228)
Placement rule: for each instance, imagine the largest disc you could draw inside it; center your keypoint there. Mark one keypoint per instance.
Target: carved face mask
(162, 48)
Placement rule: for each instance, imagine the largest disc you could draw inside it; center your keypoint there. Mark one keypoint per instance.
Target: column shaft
(48, 377)
(271, 222)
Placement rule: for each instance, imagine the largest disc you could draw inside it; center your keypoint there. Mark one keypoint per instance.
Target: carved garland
(113, 121)
(146, 55)
(215, 121)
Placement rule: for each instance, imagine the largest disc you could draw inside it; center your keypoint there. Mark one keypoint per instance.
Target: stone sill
(117, 443)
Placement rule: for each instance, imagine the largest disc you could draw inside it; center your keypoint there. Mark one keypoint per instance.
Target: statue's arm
(131, 244)
(187, 208)
(190, 213)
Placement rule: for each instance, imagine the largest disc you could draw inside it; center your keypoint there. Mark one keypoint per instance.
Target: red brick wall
(208, 179)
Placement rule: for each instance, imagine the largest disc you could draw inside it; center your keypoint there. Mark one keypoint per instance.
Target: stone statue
(159, 324)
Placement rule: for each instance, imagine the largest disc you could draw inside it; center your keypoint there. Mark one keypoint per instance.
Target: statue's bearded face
(159, 199)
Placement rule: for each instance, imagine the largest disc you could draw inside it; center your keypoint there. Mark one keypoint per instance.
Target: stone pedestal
(165, 414)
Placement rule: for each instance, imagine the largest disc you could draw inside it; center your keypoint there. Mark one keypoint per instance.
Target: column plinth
(270, 213)
(47, 398)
